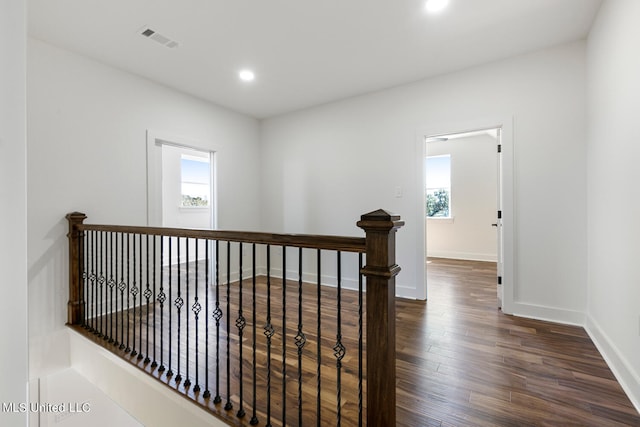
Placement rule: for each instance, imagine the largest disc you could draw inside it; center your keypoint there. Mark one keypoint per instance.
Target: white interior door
(499, 239)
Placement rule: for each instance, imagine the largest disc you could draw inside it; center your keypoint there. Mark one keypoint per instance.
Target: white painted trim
(508, 196)
(144, 397)
(470, 256)
(548, 314)
(619, 365)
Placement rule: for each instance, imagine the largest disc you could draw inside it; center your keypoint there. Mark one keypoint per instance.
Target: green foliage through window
(194, 201)
(438, 203)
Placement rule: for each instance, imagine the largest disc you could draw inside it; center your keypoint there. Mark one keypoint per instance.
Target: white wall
(613, 203)
(325, 166)
(87, 128)
(13, 210)
(474, 202)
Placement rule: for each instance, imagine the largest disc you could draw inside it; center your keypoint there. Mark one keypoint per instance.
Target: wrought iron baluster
(111, 283)
(134, 291)
(179, 302)
(85, 275)
(268, 332)
(254, 417)
(94, 279)
(162, 297)
(240, 324)
(122, 286)
(360, 342)
(91, 279)
(319, 346)
(101, 280)
(228, 406)
(284, 335)
(217, 315)
(197, 307)
(170, 271)
(300, 338)
(207, 392)
(147, 295)
(141, 281)
(187, 381)
(339, 350)
(154, 364)
(127, 347)
(116, 287)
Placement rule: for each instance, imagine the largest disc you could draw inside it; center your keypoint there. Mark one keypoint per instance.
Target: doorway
(463, 224)
(471, 216)
(181, 182)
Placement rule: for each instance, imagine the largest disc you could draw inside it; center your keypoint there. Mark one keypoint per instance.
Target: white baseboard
(549, 314)
(469, 256)
(619, 365)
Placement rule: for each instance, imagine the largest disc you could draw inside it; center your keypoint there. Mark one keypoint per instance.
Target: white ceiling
(303, 52)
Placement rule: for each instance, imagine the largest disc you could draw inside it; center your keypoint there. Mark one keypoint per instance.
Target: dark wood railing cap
(380, 219)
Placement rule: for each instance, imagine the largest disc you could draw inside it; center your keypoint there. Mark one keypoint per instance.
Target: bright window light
(434, 6)
(246, 75)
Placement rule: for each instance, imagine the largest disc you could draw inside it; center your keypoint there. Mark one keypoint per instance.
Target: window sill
(193, 208)
(444, 220)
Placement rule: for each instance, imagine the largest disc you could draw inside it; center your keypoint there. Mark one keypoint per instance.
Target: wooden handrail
(335, 243)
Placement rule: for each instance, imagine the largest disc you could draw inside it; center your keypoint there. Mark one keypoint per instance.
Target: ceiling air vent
(159, 38)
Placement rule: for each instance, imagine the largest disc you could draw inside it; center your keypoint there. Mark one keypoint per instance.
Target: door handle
(494, 225)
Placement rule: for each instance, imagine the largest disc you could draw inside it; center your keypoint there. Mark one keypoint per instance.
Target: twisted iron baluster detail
(101, 282)
(140, 356)
(134, 291)
(187, 381)
(339, 350)
(268, 332)
(179, 302)
(254, 417)
(111, 283)
(122, 286)
(240, 324)
(85, 276)
(92, 279)
(217, 315)
(300, 338)
(147, 295)
(127, 348)
(170, 271)
(228, 406)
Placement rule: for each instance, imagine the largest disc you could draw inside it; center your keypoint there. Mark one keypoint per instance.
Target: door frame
(155, 140)
(506, 197)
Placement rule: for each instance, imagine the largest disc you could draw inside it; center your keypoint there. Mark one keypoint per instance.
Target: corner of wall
(621, 368)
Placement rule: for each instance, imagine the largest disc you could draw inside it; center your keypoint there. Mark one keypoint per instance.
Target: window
(196, 175)
(438, 189)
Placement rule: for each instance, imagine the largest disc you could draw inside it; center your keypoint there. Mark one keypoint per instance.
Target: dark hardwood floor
(461, 362)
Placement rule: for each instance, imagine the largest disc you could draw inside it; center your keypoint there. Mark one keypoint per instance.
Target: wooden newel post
(380, 270)
(75, 305)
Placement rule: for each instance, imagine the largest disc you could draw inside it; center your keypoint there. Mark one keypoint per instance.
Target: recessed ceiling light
(434, 6)
(246, 75)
